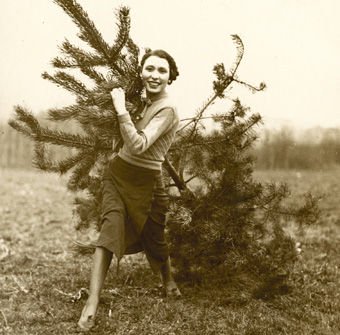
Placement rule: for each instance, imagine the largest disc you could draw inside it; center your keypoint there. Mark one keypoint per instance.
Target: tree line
(17, 151)
(315, 148)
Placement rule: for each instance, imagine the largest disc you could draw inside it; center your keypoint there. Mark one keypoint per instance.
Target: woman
(134, 201)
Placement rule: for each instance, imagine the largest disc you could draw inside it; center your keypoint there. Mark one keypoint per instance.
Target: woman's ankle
(92, 301)
(166, 272)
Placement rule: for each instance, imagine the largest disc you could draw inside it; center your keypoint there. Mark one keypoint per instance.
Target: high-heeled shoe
(86, 323)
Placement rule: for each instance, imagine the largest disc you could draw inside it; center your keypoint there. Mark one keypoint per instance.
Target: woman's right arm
(139, 141)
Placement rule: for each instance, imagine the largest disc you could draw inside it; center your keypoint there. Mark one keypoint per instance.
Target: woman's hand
(118, 98)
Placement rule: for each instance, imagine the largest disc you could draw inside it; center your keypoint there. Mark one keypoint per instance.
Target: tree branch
(174, 175)
(253, 88)
(227, 81)
(206, 143)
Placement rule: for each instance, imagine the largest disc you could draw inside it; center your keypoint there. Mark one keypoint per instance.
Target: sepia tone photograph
(169, 167)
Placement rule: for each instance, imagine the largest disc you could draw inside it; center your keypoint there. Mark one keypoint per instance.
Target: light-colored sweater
(148, 140)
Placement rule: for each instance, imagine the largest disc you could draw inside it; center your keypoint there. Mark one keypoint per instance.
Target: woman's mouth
(153, 84)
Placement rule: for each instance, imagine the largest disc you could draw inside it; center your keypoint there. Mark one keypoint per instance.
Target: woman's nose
(154, 75)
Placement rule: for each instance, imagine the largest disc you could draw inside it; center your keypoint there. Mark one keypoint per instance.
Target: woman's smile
(153, 83)
(155, 74)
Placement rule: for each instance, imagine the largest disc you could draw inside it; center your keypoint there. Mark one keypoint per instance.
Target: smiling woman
(134, 201)
(155, 74)
(159, 67)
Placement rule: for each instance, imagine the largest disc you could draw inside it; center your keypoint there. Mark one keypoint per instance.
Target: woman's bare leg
(101, 263)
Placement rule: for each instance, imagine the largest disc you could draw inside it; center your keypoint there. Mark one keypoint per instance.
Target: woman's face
(155, 74)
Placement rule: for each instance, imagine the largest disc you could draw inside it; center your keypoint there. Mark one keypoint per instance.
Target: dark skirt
(134, 210)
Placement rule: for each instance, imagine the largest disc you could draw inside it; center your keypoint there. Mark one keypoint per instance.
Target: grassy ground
(40, 276)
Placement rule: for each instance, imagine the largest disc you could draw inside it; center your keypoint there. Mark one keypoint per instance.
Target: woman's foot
(169, 285)
(171, 289)
(88, 315)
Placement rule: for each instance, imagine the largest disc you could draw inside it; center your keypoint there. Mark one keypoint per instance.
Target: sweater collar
(148, 101)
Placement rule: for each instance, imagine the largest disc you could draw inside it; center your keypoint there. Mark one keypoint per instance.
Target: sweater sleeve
(139, 141)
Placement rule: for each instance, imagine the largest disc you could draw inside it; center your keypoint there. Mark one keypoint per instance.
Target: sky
(291, 45)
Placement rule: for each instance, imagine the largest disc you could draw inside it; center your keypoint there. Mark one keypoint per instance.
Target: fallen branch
(74, 297)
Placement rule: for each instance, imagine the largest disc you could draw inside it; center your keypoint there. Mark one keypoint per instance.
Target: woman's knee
(154, 242)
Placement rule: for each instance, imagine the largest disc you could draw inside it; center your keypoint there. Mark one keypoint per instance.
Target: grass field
(40, 276)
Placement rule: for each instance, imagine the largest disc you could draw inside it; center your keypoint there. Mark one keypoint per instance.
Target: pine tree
(106, 66)
(227, 221)
(231, 225)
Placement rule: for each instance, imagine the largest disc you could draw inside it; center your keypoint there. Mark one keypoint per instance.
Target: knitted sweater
(148, 140)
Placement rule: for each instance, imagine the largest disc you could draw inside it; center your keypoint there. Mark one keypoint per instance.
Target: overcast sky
(291, 45)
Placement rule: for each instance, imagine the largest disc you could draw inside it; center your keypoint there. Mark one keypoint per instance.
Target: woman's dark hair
(162, 54)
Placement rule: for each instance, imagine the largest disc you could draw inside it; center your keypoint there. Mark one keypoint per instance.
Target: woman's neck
(156, 96)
